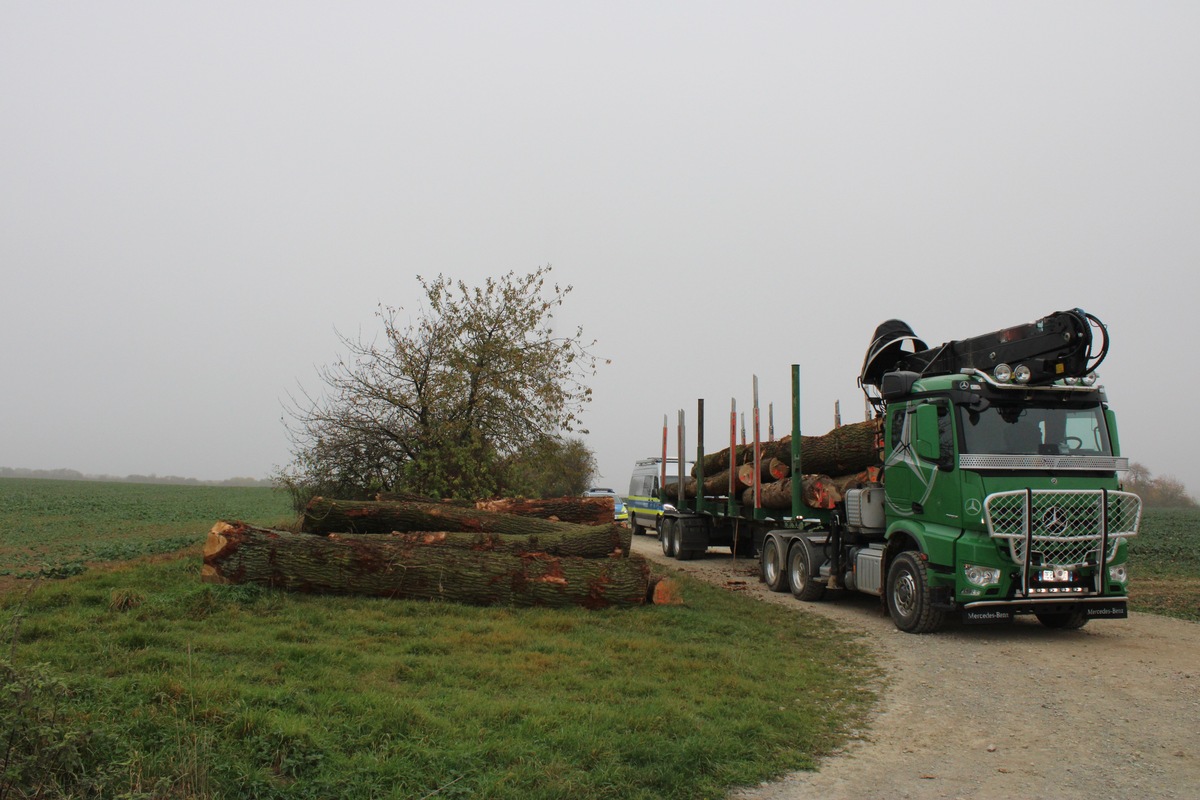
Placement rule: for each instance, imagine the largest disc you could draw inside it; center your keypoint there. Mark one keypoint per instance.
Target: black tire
(633, 526)
(666, 536)
(805, 586)
(771, 565)
(908, 597)
(1069, 621)
(677, 535)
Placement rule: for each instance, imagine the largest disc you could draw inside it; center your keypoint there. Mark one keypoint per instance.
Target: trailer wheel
(908, 597)
(666, 536)
(1070, 621)
(772, 565)
(677, 541)
(800, 573)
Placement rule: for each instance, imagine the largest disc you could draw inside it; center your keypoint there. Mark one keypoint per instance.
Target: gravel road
(1004, 711)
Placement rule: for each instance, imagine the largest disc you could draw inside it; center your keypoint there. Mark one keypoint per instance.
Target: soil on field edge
(1003, 711)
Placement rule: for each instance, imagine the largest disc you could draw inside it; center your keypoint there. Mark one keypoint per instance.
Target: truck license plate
(1057, 575)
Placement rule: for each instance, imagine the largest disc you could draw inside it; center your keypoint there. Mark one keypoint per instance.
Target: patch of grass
(212, 691)
(1165, 564)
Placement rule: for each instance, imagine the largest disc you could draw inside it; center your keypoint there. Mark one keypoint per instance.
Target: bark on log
(578, 510)
(608, 541)
(411, 497)
(323, 516)
(845, 450)
(817, 491)
(382, 567)
(716, 486)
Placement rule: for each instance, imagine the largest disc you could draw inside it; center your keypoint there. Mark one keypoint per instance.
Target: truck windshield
(1021, 429)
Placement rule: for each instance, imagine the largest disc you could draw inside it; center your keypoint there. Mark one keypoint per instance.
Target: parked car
(619, 513)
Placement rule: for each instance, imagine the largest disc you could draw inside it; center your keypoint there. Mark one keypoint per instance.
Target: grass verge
(173, 688)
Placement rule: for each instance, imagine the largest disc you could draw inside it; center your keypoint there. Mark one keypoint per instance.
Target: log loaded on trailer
(985, 485)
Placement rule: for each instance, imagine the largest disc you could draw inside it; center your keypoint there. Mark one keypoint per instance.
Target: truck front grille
(1062, 528)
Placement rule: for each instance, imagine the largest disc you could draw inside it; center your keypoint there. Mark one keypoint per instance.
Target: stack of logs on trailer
(560, 552)
(845, 457)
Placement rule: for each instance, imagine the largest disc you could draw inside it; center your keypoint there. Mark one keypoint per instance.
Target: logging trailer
(995, 492)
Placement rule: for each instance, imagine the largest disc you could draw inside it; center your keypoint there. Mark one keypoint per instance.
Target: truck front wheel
(908, 597)
(772, 565)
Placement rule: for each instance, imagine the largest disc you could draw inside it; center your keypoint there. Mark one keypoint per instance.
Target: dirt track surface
(1004, 711)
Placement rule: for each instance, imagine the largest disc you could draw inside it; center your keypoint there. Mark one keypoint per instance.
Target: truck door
(919, 476)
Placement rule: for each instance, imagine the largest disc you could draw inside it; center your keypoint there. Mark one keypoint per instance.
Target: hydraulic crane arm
(1065, 344)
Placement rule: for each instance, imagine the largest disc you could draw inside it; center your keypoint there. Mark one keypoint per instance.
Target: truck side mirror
(928, 443)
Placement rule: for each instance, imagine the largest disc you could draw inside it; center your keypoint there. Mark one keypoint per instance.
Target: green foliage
(552, 467)
(1161, 491)
(46, 748)
(443, 402)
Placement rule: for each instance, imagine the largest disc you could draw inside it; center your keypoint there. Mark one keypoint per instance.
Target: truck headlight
(981, 576)
(1022, 374)
(1118, 573)
(1002, 373)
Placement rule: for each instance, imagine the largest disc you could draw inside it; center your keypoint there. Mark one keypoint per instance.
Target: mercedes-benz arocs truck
(997, 491)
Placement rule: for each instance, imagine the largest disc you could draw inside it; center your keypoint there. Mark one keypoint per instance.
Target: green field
(1165, 564)
(135, 680)
(56, 528)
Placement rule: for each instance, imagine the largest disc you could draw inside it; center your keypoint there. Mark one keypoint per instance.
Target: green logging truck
(996, 490)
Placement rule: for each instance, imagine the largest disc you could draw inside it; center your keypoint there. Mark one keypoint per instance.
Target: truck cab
(1007, 497)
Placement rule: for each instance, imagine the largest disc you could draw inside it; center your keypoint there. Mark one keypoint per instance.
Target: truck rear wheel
(1070, 621)
(666, 536)
(909, 600)
(800, 572)
(772, 565)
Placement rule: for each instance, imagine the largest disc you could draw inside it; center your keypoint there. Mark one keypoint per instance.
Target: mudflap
(942, 597)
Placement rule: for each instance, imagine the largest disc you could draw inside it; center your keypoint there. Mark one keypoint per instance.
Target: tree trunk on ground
(579, 510)
(845, 450)
(382, 566)
(411, 497)
(607, 541)
(323, 516)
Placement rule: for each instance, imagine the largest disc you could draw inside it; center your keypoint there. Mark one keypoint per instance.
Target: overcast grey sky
(194, 197)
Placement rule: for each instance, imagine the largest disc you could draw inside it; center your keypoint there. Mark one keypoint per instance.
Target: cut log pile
(423, 550)
(845, 457)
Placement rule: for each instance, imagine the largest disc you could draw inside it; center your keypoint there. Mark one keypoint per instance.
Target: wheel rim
(798, 574)
(771, 563)
(904, 594)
